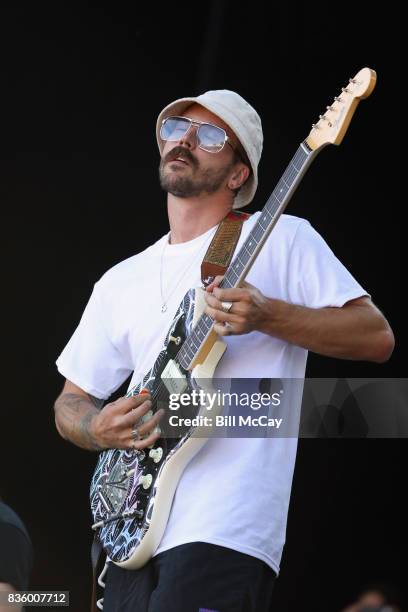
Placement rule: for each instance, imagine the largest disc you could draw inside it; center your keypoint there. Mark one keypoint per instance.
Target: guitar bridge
(115, 517)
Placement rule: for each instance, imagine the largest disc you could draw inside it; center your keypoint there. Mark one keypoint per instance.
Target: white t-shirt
(235, 492)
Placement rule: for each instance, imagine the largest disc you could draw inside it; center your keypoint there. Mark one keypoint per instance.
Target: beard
(198, 181)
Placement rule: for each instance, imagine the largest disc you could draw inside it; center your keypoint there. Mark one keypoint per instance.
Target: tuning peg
(352, 81)
(345, 89)
(321, 117)
(315, 126)
(329, 108)
(338, 99)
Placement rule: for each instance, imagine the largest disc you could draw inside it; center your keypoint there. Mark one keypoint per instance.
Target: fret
(252, 239)
(263, 224)
(233, 273)
(183, 359)
(274, 196)
(258, 232)
(265, 217)
(191, 343)
(195, 343)
(201, 327)
(227, 282)
(246, 247)
(241, 260)
(294, 169)
(207, 321)
(287, 176)
(297, 169)
(264, 220)
(279, 196)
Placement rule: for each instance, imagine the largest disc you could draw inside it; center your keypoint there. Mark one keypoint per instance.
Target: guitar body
(132, 491)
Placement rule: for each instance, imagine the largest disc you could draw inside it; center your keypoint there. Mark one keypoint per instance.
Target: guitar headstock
(333, 124)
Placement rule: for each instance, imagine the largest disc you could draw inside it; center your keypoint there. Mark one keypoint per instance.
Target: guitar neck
(269, 216)
(249, 251)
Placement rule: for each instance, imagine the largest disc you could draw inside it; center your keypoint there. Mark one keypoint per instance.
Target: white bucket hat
(243, 120)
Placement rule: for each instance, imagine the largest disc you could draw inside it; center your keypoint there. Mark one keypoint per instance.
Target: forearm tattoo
(75, 413)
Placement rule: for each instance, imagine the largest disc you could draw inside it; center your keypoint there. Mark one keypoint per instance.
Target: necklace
(194, 260)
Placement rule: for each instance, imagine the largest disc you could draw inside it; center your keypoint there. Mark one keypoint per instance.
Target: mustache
(182, 152)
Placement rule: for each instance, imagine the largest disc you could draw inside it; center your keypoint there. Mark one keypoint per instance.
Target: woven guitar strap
(222, 247)
(216, 261)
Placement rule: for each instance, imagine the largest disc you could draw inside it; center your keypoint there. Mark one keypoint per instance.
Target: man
(223, 542)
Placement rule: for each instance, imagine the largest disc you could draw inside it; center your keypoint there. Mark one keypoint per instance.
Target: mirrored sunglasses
(210, 137)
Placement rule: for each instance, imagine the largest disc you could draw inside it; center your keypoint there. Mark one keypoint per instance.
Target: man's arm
(357, 330)
(74, 411)
(79, 418)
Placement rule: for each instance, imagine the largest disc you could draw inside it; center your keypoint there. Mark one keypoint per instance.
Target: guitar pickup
(173, 378)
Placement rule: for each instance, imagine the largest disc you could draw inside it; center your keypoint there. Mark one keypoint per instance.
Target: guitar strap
(216, 261)
(222, 247)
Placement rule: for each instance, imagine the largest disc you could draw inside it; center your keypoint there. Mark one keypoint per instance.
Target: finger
(220, 316)
(125, 404)
(239, 309)
(213, 301)
(147, 433)
(223, 329)
(147, 427)
(132, 417)
(231, 295)
(214, 283)
(246, 285)
(139, 444)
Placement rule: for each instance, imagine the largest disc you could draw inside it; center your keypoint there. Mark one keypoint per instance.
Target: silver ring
(135, 434)
(226, 306)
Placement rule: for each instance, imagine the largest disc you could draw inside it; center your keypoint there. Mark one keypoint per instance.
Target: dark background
(82, 85)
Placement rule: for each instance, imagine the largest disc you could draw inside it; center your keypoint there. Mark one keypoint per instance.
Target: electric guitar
(132, 490)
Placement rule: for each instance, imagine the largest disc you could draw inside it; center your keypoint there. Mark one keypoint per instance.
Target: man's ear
(239, 177)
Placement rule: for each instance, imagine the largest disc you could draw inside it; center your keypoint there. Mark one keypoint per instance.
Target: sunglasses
(210, 137)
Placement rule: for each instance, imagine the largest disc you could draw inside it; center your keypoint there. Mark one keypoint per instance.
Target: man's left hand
(249, 308)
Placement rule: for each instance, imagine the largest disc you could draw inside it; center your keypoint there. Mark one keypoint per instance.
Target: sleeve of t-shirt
(90, 359)
(317, 278)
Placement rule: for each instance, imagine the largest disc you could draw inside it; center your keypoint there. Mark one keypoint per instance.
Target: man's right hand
(113, 426)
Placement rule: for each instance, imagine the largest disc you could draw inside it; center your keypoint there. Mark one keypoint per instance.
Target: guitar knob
(146, 481)
(156, 454)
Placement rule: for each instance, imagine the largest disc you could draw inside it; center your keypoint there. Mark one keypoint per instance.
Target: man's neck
(192, 217)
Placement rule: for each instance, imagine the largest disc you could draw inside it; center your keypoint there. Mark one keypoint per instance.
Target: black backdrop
(81, 89)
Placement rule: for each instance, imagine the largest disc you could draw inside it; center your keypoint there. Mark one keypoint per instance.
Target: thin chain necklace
(166, 242)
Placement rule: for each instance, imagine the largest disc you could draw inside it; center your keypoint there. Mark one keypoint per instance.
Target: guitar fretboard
(246, 256)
